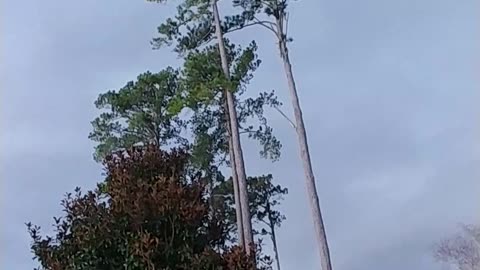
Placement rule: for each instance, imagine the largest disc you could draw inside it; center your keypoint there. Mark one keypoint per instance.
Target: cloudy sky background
(390, 97)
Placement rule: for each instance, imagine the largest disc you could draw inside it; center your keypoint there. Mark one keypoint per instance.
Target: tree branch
(267, 24)
(266, 223)
(287, 15)
(223, 159)
(206, 35)
(263, 23)
(286, 117)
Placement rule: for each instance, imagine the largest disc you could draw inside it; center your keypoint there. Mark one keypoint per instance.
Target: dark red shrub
(148, 214)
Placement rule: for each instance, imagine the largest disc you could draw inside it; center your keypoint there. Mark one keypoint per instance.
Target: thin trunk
(304, 153)
(275, 248)
(236, 193)
(238, 206)
(274, 237)
(237, 148)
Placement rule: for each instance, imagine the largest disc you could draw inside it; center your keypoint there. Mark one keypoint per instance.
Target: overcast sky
(390, 97)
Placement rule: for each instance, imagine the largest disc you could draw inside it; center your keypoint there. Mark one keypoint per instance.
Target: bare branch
(287, 15)
(264, 222)
(286, 117)
(206, 35)
(267, 24)
(262, 23)
(247, 132)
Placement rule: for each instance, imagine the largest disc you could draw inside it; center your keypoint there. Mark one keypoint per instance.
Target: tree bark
(238, 206)
(304, 153)
(236, 192)
(237, 148)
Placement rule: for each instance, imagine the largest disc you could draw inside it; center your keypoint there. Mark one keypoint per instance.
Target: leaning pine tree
(196, 23)
(234, 136)
(202, 94)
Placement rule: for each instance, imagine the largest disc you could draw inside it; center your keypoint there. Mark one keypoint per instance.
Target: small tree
(137, 113)
(264, 197)
(151, 215)
(147, 110)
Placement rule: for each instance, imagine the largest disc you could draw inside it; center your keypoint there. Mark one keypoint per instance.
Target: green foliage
(190, 28)
(152, 216)
(264, 197)
(203, 78)
(270, 14)
(262, 132)
(202, 92)
(199, 88)
(189, 32)
(137, 113)
(147, 110)
(273, 8)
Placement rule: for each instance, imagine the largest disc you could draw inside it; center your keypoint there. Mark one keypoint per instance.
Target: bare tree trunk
(236, 192)
(304, 153)
(275, 248)
(274, 237)
(238, 206)
(237, 148)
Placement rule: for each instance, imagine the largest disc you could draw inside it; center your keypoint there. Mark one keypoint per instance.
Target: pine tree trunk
(274, 237)
(237, 148)
(236, 192)
(275, 248)
(320, 234)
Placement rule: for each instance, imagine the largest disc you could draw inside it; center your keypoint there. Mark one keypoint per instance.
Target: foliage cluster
(151, 215)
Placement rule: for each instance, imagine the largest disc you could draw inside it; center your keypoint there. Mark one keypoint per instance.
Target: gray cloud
(389, 93)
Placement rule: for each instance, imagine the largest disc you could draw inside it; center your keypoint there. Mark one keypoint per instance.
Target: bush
(148, 214)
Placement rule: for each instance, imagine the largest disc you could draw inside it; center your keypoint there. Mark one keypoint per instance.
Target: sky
(389, 91)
